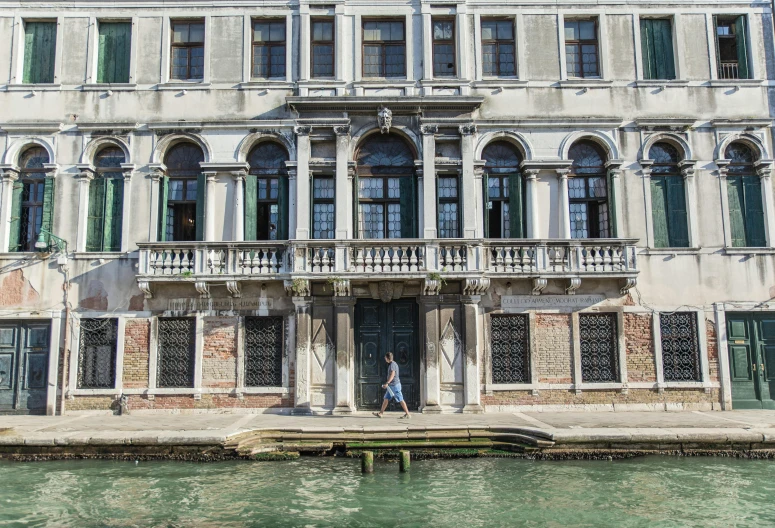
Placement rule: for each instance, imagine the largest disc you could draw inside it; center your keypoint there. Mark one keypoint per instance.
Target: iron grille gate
(263, 351)
(97, 354)
(510, 348)
(599, 348)
(680, 346)
(175, 363)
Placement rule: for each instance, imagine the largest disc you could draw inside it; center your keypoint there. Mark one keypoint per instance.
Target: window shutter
(678, 230)
(201, 202)
(612, 220)
(659, 211)
(282, 208)
(754, 212)
(715, 42)
(96, 219)
(163, 197)
(736, 211)
(251, 195)
(29, 52)
(516, 206)
(115, 47)
(39, 52)
(48, 206)
(356, 207)
(16, 213)
(103, 55)
(742, 49)
(663, 49)
(114, 208)
(647, 47)
(487, 204)
(407, 190)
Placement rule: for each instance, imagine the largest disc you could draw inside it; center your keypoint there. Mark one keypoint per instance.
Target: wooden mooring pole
(367, 462)
(404, 462)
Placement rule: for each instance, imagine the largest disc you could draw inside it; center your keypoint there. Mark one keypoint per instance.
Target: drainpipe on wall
(62, 261)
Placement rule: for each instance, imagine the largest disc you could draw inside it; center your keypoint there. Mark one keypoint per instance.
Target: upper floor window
(106, 202)
(115, 41)
(503, 195)
(266, 189)
(656, 35)
(188, 50)
(668, 197)
(183, 190)
(448, 206)
(588, 192)
(39, 52)
(731, 49)
(744, 192)
(384, 48)
(323, 48)
(443, 48)
(269, 48)
(323, 207)
(581, 48)
(498, 48)
(32, 201)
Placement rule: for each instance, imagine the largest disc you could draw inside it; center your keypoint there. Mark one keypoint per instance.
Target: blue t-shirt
(393, 367)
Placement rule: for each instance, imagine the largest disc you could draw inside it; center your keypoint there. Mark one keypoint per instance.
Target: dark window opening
(581, 48)
(188, 51)
(183, 200)
(731, 48)
(504, 198)
(384, 49)
(268, 48)
(31, 196)
(267, 193)
(588, 192)
(444, 48)
(498, 48)
(322, 48)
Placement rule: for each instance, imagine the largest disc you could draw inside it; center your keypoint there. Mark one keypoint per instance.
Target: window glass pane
(489, 30)
(180, 33)
(274, 188)
(260, 61)
(589, 60)
(597, 187)
(394, 220)
(197, 63)
(396, 31)
(277, 61)
(724, 29)
(506, 225)
(369, 31)
(176, 190)
(443, 59)
(372, 61)
(505, 30)
(394, 191)
(323, 221)
(494, 187)
(323, 64)
(394, 60)
(370, 188)
(572, 60)
(577, 188)
(383, 30)
(447, 187)
(448, 225)
(197, 33)
(261, 32)
(507, 59)
(191, 190)
(371, 220)
(579, 223)
(571, 30)
(277, 32)
(442, 30)
(322, 31)
(489, 58)
(323, 188)
(587, 30)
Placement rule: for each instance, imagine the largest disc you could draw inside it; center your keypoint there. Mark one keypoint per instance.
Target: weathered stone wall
(554, 348)
(219, 354)
(643, 398)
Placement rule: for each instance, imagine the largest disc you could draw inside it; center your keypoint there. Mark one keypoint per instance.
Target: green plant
(436, 276)
(335, 280)
(187, 274)
(298, 285)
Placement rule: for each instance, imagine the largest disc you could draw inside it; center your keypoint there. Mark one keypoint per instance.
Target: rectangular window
(188, 50)
(588, 207)
(384, 49)
(264, 351)
(444, 48)
(599, 348)
(39, 52)
(180, 222)
(498, 48)
(447, 192)
(176, 352)
(656, 35)
(322, 48)
(510, 348)
(97, 354)
(323, 189)
(269, 48)
(731, 47)
(680, 346)
(115, 43)
(581, 48)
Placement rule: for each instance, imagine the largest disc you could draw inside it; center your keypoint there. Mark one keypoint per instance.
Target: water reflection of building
(259, 202)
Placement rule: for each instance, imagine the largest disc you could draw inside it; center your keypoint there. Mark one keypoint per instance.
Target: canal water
(651, 491)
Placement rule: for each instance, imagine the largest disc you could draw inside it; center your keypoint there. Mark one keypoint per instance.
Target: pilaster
(472, 294)
(531, 191)
(210, 211)
(563, 204)
(8, 177)
(342, 219)
(239, 205)
(302, 402)
(301, 212)
(128, 170)
(690, 189)
(429, 180)
(84, 180)
(429, 310)
(344, 310)
(468, 193)
(764, 169)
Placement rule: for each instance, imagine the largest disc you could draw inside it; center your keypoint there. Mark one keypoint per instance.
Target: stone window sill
(183, 85)
(33, 87)
(500, 82)
(265, 84)
(749, 251)
(726, 83)
(673, 251)
(584, 83)
(102, 87)
(109, 255)
(664, 83)
(115, 393)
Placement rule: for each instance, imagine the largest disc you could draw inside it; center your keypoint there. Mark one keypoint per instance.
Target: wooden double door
(751, 343)
(23, 367)
(380, 328)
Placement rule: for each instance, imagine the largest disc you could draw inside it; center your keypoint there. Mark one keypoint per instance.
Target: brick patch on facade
(219, 355)
(602, 397)
(137, 338)
(712, 342)
(211, 401)
(553, 348)
(639, 343)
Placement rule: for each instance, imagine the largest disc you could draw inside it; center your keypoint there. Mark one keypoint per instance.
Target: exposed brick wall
(639, 343)
(137, 338)
(587, 397)
(219, 355)
(91, 403)
(212, 401)
(553, 348)
(712, 340)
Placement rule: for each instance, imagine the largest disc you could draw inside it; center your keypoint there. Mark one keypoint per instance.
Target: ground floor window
(599, 348)
(510, 348)
(264, 351)
(176, 352)
(97, 354)
(680, 346)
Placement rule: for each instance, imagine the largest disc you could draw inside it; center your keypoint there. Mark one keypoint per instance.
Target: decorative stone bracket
(573, 284)
(297, 287)
(476, 286)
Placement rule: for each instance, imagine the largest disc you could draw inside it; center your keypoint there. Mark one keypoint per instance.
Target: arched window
(386, 190)
(32, 206)
(106, 201)
(668, 197)
(183, 190)
(266, 190)
(588, 192)
(504, 214)
(744, 188)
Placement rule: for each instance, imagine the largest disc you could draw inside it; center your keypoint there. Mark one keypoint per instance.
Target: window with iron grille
(323, 188)
(97, 354)
(449, 218)
(176, 352)
(581, 48)
(599, 348)
(680, 346)
(443, 48)
(510, 348)
(269, 48)
(264, 351)
(322, 48)
(188, 50)
(384, 48)
(498, 48)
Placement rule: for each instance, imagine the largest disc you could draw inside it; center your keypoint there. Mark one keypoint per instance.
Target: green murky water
(653, 491)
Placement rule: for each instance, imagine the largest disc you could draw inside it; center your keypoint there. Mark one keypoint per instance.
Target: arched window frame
(669, 210)
(504, 194)
(106, 201)
(590, 192)
(32, 199)
(182, 185)
(266, 188)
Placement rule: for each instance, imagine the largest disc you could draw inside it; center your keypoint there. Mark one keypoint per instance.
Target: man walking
(393, 386)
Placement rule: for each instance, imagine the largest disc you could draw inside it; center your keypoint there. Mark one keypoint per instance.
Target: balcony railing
(729, 70)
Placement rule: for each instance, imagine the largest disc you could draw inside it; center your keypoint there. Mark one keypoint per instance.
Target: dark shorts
(394, 393)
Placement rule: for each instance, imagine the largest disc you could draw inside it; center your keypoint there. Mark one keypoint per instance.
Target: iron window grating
(264, 351)
(680, 346)
(97, 353)
(598, 338)
(510, 348)
(176, 352)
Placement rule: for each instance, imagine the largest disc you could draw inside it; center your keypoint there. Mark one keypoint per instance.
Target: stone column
(467, 191)
(429, 314)
(472, 293)
(305, 36)
(645, 171)
(128, 170)
(765, 176)
(343, 194)
(8, 179)
(531, 190)
(429, 180)
(302, 402)
(302, 182)
(722, 181)
(84, 180)
(293, 204)
(344, 309)
(153, 228)
(563, 202)
(691, 204)
(239, 205)
(616, 228)
(210, 207)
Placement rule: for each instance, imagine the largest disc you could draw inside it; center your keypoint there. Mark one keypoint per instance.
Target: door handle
(754, 367)
(761, 369)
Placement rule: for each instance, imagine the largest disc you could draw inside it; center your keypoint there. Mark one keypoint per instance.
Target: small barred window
(680, 346)
(599, 348)
(264, 351)
(97, 354)
(510, 348)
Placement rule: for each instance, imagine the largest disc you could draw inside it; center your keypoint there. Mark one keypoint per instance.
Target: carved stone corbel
(476, 286)
(431, 287)
(467, 130)
(341, 287)
(303, 130)
(297, 287)
(342, 130)
(203, 288)
(145, 287)
(539, 285)
(234, 289)
(429, 129)
(629, 283)
(573, 285)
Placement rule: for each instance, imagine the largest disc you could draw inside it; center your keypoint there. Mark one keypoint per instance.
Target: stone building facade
(243, 206)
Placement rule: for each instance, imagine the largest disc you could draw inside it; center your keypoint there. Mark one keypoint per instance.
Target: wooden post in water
(404, 462)
(367, 462)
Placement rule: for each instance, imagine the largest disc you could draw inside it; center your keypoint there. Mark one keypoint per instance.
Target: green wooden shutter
(407, 190)
(736, 210)
(16, 213)
(754, 212)
(612, 220)
(715, 42)
(96, 215)
(516, 206)
(659, 211)
(114, 209)
(282, 208)
(486, 199)
(164, 192)
(251, 195)
(48, 206)
(356, 207)
(678, 228)
(201, 202)
(39, 52)
(115, 41)
(647, 48)
(103, 53)
(657, 48)
(742, 48)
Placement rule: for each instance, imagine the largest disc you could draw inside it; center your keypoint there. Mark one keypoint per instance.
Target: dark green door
(751, 340)
(23, 367)
(380, 328)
